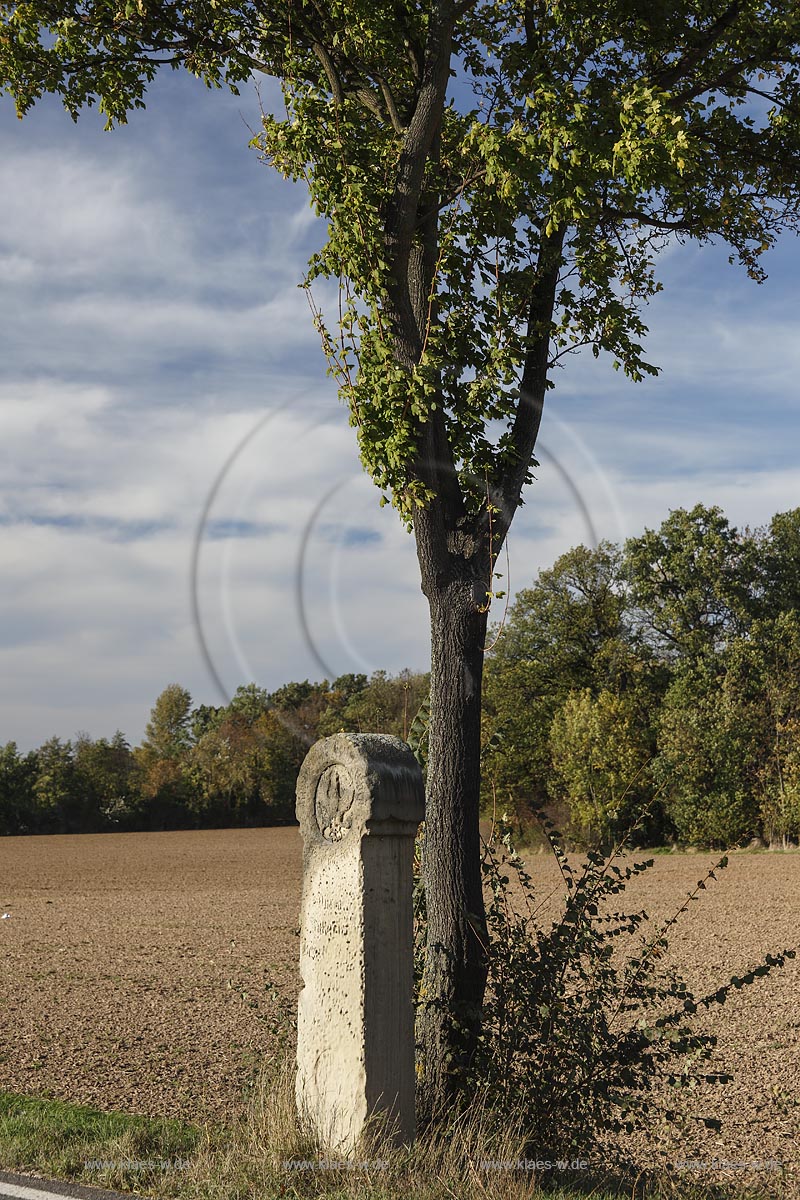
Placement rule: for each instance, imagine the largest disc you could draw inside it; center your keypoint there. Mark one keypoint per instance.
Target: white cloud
(149, 316)
(177, 326)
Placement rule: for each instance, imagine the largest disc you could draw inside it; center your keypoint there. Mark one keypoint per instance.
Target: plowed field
(133, 973)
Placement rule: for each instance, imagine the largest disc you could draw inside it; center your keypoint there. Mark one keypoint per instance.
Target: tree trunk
(454, 977)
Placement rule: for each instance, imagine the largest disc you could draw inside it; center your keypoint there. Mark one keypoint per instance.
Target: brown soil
(125, 958)
(133, 971)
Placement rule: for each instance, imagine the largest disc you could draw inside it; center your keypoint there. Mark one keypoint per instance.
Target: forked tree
(497, 178)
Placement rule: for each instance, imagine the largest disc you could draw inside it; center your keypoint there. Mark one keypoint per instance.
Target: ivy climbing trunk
(454, 977)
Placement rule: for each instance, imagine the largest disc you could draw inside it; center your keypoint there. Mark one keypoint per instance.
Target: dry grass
(268, 1154)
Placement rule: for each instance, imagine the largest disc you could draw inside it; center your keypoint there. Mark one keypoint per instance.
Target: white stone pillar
(360, 798)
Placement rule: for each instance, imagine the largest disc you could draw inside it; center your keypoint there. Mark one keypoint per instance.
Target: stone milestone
(360, 798)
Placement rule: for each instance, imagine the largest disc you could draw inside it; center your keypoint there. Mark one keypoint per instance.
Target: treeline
(197, 767)
(662, 677)
(658, 682)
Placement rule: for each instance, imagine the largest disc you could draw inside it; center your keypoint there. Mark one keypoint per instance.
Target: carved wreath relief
(333, 802)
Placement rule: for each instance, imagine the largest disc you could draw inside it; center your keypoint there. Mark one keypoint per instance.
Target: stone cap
(357, 783)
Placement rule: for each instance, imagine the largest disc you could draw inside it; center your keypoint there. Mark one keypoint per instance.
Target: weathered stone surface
(360, 798)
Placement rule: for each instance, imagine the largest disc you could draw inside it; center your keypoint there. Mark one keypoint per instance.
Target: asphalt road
(28, 1187)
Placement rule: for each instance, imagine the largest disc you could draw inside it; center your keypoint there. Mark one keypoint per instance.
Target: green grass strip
(107, 1149)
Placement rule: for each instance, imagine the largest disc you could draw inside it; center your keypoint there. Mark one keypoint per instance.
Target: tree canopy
(540, 152)
(664, 675)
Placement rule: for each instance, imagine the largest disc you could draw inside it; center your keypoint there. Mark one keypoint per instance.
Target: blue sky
(172, 450)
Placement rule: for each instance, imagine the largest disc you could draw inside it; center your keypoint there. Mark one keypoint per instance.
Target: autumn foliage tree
(497, 179)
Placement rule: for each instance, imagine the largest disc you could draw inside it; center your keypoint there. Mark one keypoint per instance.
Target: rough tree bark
(454, 581)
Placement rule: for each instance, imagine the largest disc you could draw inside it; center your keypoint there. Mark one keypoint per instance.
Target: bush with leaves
(582, 1020)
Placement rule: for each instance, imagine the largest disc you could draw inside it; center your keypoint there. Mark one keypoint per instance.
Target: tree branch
(403, 207)
(671, 75)
(616, 214)
(753, 91)
(759, 58)
(370, 101)
(391, 107)
(533, 385)
(330, 72)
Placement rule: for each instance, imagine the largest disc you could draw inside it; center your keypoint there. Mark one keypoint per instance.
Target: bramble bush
(583, 1019)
